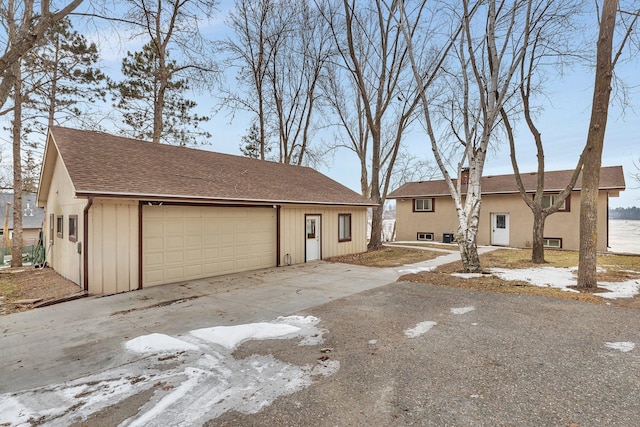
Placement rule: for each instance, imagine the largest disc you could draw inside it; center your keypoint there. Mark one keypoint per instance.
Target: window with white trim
(550, 199)
(423, 205)
(552, 242)
(344, 227)
(425, 236)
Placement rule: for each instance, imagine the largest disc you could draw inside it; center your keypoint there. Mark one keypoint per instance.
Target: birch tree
(480, 79)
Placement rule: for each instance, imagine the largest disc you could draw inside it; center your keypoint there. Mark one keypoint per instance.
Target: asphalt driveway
(386, 354)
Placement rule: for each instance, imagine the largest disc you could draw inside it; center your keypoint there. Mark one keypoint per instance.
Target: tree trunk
(469, 251)
(593, 155)
(537, 255)
(376, 226)
(16, 243)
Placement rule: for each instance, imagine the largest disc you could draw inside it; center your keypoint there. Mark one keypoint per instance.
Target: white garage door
(189, 242)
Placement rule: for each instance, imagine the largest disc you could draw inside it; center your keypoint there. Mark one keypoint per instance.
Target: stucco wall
(443, 219)
(292, 232)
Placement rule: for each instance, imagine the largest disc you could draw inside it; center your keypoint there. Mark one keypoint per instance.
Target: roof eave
(87, 193)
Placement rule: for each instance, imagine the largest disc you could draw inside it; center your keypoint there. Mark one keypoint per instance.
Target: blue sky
(563, 123)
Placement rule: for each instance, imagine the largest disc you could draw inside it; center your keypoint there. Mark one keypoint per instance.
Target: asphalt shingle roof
(611, 178)
(104, 164)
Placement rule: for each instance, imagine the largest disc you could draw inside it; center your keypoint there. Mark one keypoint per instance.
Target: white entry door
(500, 229)
(312, 237)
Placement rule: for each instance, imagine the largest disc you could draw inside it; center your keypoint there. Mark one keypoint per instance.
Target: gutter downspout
(85, 239)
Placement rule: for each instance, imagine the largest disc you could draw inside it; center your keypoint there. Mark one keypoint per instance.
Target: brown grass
(618, 268)
(387, 257)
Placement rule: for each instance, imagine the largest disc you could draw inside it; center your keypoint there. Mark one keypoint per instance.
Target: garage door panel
(188, 242)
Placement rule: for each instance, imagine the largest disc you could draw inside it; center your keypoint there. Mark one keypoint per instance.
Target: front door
(312, 237)
(500, 229)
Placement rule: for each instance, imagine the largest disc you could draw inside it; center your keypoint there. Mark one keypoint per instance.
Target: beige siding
(190, 242)
(63, 254)
(292, 232)
(113, 246)
(563, 225)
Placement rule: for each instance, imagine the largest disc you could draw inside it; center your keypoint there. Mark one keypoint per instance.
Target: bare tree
(23, 27)
(605, 64)
(490, 41)
(254, 35)
(378, 104)
(552, 31)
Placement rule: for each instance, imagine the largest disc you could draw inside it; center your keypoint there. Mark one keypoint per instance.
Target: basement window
(59, 225)
(428, 237)
(73, 228)
(552, 242)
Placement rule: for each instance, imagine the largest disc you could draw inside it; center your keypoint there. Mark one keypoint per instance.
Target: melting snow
(622, 346)
(420, 329)
(158, 343)
(462, 310)
(199, 376)
(467, 275)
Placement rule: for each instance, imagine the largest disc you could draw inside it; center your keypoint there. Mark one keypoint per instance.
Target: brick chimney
(464, 176)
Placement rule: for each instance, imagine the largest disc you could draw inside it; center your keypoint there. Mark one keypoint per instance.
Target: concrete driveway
(366, 351)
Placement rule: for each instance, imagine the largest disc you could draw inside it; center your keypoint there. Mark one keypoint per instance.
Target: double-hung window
(344, 227)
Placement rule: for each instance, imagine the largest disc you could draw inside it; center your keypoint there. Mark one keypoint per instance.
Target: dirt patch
(387, 257)
(29, 283)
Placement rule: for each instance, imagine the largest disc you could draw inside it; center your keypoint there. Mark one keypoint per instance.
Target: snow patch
(158, 343)
(231, 336)
(420, 329)
(467, 275)
(627, 289)
(622, 346)
(462, 310)
(414, 270)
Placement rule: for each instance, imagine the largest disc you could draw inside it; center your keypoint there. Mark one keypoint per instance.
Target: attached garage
(190, 242)
(124, 214)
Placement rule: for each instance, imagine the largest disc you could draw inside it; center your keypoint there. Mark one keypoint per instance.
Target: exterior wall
(62, 253)
(113, 246)
(563, 225)
(292, 232)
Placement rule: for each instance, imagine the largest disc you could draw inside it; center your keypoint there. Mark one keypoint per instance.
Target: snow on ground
(622, 346)
(562, 278)
(414, 270)
(462, 310)
(193, 377)
(420, 329)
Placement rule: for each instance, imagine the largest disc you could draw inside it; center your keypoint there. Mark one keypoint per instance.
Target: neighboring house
(425, 210)
(32, 217)
(124, 214)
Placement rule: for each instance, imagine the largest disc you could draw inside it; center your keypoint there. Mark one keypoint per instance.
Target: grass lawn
(616, 268)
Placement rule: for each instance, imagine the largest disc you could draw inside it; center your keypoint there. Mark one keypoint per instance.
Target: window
(344, 227)
(73, 228)
(425, 236)
(550, 199)
(552, 242)
(423, 205)
(52, 222)
(59, 224)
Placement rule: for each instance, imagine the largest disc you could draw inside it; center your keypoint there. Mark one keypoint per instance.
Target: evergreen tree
(151, 97)
(251, 143)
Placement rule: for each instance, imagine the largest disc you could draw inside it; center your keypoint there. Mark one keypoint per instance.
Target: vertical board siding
(292, 233)
(62, 254)
(113, 246)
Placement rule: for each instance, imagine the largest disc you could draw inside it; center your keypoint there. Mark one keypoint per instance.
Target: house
(124, 214)
(425, 210)
(32, 217)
